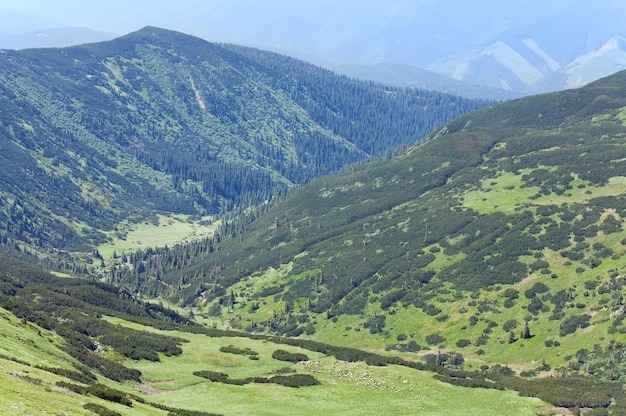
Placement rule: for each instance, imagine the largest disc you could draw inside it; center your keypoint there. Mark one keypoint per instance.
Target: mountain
(415, 77)
(479, 271)
(98, 137)
(507, 67)
(518, 47)
(524, 47)
(498, 236)
(52, 37)
(14, 23)
(524, 66)
(75, 346)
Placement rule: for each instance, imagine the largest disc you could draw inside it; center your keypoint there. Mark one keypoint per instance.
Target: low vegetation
(482, 269)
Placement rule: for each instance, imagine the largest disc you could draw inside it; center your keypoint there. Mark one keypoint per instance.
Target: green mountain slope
(72, 346)
(501, 236)
(157, 122)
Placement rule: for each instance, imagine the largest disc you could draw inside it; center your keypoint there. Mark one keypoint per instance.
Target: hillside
(501, 237)
(72, 346)
(100, 137)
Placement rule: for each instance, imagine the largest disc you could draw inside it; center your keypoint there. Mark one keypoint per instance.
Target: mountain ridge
(91, 122)
(492, 247)
(540, 39)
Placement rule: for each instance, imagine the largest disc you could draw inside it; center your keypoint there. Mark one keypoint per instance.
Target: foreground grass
(27, 390)
(346, 388)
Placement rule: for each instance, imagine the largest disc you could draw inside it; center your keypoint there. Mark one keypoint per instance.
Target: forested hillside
(157, 122)
(79, 347)
(484, 261)
(499, 236)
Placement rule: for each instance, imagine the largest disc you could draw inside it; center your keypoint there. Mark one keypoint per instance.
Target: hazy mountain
(567, 48)
(12, 22)
(524, 66)
(52, 37)
(519, 46)
(414, 77)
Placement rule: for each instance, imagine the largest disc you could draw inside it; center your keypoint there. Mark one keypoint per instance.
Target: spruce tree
(526, 333)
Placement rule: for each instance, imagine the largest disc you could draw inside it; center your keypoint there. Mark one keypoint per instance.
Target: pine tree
(526, 332)
(512, 338)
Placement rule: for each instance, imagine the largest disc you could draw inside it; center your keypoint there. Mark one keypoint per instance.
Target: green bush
(462, 343)
(283, 355)
(100, 410)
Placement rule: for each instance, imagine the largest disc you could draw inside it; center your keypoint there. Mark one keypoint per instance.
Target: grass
(166, 230)
(354, 389)
(348, 330)
(27, 390)
(505, 194)
(346, 389)
(27, 342)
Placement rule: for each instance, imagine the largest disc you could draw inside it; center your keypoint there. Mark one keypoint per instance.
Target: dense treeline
(72, 308)
(352, 105)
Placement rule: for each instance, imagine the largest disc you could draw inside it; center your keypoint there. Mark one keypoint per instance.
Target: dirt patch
(150, 387)
(555, 410)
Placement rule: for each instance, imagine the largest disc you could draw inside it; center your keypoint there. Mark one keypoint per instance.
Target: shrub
(100, 410)
(283, 355)
(434, 339)
(235, 350)
(211, 375)
(296, 380)
(462, 343)
(571, 324)
(509, 325)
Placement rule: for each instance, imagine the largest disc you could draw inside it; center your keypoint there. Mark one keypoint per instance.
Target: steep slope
(158, 122)
(507, 218)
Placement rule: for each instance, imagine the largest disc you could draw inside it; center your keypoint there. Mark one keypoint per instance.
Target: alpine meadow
(192, 228)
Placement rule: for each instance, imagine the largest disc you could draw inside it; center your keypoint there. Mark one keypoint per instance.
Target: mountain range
(157, 122)
(442, 253)
(517, 48)
(501, 236)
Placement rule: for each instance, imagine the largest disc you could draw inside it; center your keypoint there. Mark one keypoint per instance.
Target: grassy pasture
(346, 389)
(505, 193)
(27, 390)
(166, 230)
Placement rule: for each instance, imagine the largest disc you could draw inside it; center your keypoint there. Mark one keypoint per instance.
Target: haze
(518, 45)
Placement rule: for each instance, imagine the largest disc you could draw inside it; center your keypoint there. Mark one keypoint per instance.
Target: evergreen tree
(526, 332)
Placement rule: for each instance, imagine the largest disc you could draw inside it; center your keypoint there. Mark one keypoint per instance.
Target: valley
(233, 231)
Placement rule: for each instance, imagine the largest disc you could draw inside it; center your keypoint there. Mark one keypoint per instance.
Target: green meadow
(161, 231)
(346, 388)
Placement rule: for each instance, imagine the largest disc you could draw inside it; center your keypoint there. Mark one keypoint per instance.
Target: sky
(232, 20)
(313, 26)
(330, 33)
